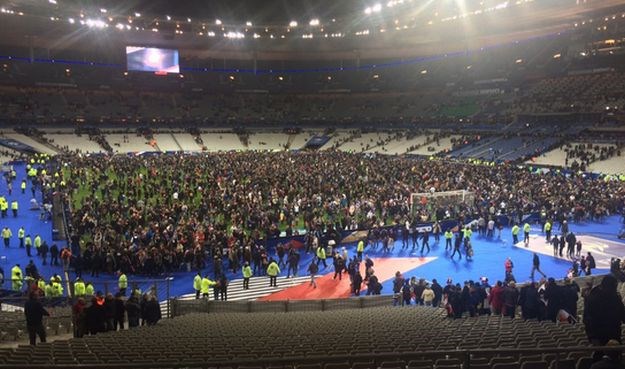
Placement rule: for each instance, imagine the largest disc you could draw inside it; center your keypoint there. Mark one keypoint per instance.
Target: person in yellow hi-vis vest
(79, 288)
(122, 283)
(515, 234)
(547, 229)
(23, 186)
(6, 236)
(20, 236)
(526, 234)
(360, 249)
(38, 244)
(4, 207)
(16, 278)
(28, 243)
(14, 207)
(206, 285)
(197, 285)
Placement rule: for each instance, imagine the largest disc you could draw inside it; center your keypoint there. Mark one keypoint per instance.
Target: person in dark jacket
(357, 283)
(79, 318)
(455, 301)
(604, 313)
(406, 292)
(529, 301)
(570, 295)
(120, 312)
(109, 312)
(590, 263)
(96, 315)
(553, 295)
(35, 312)
(54, 254)
(223, 287)
(510, 299)
(438, 293)
(134, 311)
(152, 311)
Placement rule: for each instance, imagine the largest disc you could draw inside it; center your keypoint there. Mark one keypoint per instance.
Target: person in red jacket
(496, 298)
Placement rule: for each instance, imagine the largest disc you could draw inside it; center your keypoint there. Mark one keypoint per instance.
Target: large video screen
(151, 59)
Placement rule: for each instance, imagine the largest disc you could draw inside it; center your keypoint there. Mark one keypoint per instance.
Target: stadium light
(231, 77)
(52, 2)
(189, 20)
(293, 24)
(218, 22)
(425, 71)
(519, 61)
(71, 20)
(248, 23)
(137, 14)
(314, 22)
(102, 10)
(168, 17)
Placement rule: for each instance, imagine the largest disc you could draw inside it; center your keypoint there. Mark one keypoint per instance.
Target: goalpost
(431, 202)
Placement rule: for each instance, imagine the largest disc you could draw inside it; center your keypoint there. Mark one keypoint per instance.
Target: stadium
(331, 184)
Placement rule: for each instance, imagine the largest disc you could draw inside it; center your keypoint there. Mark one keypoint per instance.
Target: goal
(433, 202)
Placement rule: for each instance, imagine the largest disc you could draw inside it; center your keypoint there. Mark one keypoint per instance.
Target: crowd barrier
(182, 307)
(160, 288)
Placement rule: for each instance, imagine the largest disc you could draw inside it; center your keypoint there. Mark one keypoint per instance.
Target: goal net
(438, 203)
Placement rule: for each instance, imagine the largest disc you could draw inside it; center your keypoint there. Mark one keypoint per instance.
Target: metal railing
(466, 358)
(182, 307)
(14, 300)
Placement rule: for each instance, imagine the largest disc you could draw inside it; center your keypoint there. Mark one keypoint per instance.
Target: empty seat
(535, 365)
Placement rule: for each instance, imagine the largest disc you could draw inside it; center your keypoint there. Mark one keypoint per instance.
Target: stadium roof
(287, 29)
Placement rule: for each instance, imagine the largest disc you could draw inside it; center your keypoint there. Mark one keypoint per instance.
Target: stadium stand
(411, 337)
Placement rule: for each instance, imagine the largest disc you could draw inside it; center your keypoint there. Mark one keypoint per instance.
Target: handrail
(464, 355)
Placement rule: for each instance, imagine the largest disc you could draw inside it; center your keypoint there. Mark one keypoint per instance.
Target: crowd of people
(156, 214)
(580, 156)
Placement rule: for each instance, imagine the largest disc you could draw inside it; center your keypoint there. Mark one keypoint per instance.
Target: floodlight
(218, 22)
(314, 22)
(293, 24)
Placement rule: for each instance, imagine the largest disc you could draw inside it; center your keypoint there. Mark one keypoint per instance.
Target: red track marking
(385, 269)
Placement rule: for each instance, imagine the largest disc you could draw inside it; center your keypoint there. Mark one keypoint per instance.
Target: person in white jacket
(427, 295)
